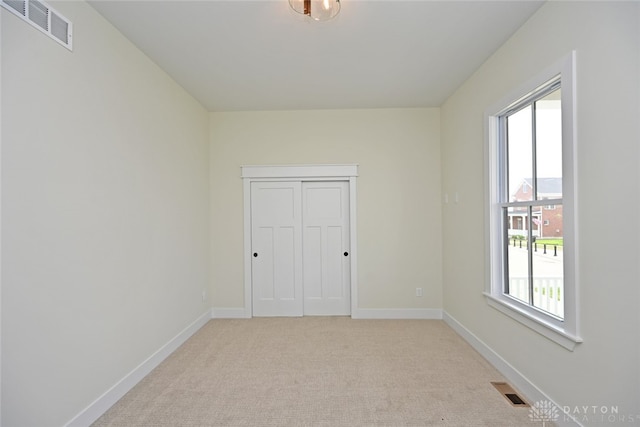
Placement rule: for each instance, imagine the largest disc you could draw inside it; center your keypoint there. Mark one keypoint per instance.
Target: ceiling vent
(41, 16)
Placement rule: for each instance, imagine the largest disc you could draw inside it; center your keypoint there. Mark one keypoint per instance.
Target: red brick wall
(554, 216)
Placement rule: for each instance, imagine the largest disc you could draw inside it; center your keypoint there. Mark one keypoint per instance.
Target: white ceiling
(235, 55)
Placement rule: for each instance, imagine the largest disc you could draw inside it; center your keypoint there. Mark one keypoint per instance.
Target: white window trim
(565, 332)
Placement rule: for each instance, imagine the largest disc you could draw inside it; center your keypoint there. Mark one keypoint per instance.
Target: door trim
(304, 173)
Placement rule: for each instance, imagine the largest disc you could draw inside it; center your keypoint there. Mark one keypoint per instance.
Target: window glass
(520, 154)
(533, 243)
(549, 146)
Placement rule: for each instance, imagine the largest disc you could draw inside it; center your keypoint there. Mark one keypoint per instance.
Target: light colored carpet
(319, 371)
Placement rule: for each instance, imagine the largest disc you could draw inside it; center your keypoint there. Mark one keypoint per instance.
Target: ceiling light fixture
(318, 10)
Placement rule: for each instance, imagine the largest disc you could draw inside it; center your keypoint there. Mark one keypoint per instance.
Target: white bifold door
(300, 248)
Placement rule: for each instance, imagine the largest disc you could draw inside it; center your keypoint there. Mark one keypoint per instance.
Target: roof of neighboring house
(546, 185)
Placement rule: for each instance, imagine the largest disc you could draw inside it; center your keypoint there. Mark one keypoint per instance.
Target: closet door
(326, 262)
(276, 236)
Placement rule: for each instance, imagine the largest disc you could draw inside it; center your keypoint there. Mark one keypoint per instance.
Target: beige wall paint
(110, 203)
(104, 215)
(604, 370)
(399, 222)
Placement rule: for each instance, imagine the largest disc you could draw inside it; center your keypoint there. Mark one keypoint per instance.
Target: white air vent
(40, 15)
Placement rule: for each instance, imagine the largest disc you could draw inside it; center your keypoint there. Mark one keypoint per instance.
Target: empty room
(319, 212)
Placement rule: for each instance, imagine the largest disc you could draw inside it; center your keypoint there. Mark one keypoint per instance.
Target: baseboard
(532, 393)
(229, 313)
(397, 313)
(361, 313)
(111, 396)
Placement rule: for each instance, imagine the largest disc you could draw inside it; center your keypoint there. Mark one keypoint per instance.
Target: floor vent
(510, 394)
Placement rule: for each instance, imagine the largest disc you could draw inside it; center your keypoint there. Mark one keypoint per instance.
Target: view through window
(531, 152)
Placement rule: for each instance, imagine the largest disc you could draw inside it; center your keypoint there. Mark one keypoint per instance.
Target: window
(531, 146)
(530, 169)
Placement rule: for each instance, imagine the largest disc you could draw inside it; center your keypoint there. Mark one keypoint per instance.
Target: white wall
(104, 215)
(604, 370)
(398, 150)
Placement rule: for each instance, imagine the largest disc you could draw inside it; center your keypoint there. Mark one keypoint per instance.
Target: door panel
(335, 288)
(312, 262)
(263, 236)
(325, 223)
(276, 242)
(285, 263)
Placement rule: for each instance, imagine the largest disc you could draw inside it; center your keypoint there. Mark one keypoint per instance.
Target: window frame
(565, 331)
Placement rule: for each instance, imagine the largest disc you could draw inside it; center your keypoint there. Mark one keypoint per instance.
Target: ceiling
(239, 55)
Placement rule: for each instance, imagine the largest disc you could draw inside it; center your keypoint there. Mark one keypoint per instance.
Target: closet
(299, 240)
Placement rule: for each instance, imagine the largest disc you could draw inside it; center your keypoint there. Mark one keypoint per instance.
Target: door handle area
(346, 254)
(255, 254)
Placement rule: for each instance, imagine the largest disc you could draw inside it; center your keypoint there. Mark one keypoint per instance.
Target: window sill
(538, 324)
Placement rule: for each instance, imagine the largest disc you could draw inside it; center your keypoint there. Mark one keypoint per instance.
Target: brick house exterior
(547, 220)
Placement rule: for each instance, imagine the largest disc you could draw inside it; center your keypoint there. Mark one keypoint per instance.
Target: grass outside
(539, 241)
(557, 242)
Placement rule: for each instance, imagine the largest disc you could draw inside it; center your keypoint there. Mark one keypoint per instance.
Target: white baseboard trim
(95, 410)
(229, 313)
(361, 313)
(397, 313)
(518, 381)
